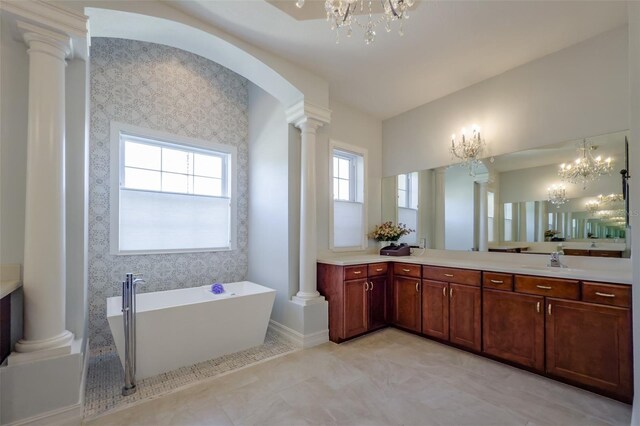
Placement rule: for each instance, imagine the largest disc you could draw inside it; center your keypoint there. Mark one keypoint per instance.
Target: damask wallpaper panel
(170, 90)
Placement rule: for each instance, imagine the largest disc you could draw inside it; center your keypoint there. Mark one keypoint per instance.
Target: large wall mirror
(519, 202)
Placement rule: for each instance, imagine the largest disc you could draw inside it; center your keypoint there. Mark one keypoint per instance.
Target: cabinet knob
(605, 294)
(549, 308)
(406, 270)
(538, 307)
(497, 281)
(366, 286)
(357, 272)
(379, 270)
(448, 275)
(450, 291)
(417, 287)
(371, 283)
(544, 287)
(444, 291)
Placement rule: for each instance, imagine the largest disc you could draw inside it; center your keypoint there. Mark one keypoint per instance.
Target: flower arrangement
(549, 234)
(390, 232)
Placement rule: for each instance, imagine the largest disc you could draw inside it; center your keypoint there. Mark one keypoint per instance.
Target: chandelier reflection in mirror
(610, 199)
(468, 149)
(586, 168)
(341, 14)
(592, 206)
(557, 195)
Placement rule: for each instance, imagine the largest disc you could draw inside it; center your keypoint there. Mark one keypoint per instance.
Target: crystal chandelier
(610, 199)
(586, 168)
(341, 14)
(592, 206)
(468, 149)
(557, 195)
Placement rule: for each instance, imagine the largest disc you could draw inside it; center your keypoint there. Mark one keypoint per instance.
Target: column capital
(49, 21)
(304, 112)
(46, 41)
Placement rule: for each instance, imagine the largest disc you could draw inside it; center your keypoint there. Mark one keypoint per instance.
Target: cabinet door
(406, 303)
(465, 316)
(355, 307)
(435, 309)
(591, 345)
(377, 302)
(513, 327)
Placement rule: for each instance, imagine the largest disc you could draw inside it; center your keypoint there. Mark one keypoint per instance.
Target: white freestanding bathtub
(177, 328)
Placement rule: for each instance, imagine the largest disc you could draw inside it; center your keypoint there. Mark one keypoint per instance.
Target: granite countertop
(10, 279)
(611, 270)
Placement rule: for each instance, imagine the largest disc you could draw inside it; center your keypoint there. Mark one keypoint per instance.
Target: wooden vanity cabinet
(406, 296)
(513, 327)
(357, 301)
(590, 344)
(451, 310)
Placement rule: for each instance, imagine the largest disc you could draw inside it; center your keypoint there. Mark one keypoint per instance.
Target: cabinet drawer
(551, 287)
(407, 270)
(607, 294)
(575, 252)
(452, 275)
(497, 281)
(605, 253)
(378, 269)
(355, 272)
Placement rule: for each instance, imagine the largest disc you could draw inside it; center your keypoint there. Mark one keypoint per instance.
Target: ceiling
(447, 46)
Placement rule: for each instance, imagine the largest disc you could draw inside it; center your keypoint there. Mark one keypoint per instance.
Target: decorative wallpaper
(166, 89)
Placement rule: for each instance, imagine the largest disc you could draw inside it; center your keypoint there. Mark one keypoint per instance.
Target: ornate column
(44, 256)
(308, 118)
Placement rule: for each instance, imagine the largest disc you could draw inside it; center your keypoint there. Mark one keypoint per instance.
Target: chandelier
(341, 14)
(557, 195)
(586, 168)
(611, 214)
(468, 149)
(610, 199)
(592, 206)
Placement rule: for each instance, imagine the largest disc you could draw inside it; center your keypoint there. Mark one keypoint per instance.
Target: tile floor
(386, 378)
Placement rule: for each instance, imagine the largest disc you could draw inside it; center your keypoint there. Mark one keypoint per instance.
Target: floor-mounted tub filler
(178, 328)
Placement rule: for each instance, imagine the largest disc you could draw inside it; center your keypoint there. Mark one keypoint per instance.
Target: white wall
(531, 184)
(577, 92)
(634, 166)
(459, 209)
(269, 198)
(14, 81)
(349, 125)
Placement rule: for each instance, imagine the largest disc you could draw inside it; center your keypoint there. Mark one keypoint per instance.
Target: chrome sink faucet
(554, 260)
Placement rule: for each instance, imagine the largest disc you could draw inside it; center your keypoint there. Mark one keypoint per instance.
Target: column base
(306, 300)
(33, 350)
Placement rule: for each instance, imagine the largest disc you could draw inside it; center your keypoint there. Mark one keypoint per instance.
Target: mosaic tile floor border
(105, 376)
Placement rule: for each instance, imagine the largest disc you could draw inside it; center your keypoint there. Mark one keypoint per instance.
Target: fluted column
(44, 255)
(308, 292)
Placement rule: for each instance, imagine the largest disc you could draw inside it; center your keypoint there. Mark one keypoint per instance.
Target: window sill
(168, 251)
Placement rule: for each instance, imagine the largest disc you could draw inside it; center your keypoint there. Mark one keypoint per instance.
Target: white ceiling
(448, 45)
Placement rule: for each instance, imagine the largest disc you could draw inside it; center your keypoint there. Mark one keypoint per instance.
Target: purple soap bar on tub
(217, 288)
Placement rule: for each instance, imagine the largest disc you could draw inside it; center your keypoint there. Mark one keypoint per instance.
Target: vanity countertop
(588, 269)
(10, 279)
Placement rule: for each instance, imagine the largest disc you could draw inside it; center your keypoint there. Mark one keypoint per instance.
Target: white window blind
(170, 194)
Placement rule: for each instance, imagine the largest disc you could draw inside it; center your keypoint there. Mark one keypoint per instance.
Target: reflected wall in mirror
(516, 202)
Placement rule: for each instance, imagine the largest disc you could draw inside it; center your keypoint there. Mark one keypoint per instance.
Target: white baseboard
(301, 340)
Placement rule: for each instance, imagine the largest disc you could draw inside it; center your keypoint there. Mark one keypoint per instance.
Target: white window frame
(116, 163)
(364, 153)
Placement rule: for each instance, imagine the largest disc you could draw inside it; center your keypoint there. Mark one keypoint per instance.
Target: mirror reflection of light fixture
(468, 149)
(586, 168)
(611, 214)
(341, 14)
(610, 199)
(592, 206)
(557, 195)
